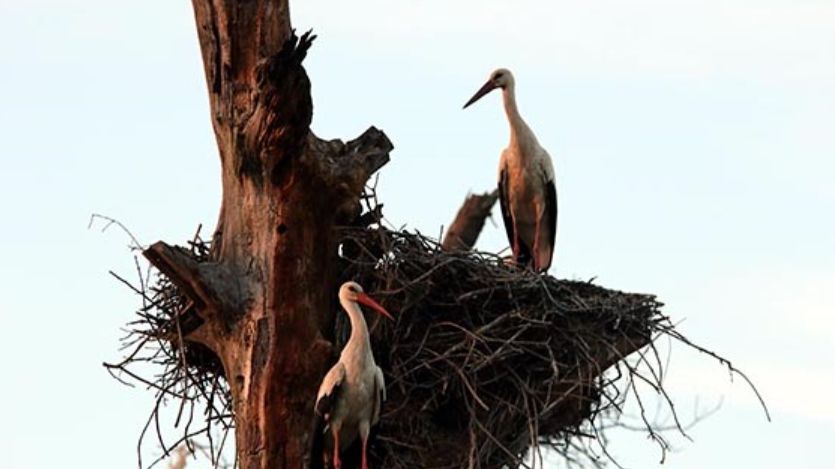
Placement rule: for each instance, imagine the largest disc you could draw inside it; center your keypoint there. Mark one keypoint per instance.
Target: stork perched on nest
(352, 392)
(526, 183)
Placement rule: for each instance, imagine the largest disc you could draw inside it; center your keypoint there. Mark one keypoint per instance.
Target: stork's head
(352, 292)
(500, 78)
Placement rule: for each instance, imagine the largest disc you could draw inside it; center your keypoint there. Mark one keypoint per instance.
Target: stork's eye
(498, 76)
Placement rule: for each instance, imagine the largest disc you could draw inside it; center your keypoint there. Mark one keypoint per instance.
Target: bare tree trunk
(266, 297)
(464, 230)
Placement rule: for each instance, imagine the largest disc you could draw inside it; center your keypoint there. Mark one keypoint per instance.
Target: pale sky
(693, 141)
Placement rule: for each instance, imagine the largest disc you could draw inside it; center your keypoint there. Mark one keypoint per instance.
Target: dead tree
(274, 249)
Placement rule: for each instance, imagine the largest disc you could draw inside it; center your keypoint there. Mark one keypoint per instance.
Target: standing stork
(352, 392)
(526, 183)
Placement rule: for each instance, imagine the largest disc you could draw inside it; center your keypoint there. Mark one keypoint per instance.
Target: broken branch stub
(211, 285)
(469, 221)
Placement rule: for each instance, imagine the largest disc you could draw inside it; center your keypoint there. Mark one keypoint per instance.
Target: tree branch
(344, 168)
(212, 287)
(464, 230)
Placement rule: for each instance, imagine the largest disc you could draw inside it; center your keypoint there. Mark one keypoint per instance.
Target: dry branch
(469, 221)
(210, 285)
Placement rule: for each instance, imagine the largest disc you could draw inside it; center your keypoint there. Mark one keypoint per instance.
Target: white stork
(527, 192)
(352, 392)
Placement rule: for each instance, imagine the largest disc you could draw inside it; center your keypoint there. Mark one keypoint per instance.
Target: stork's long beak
(366, 300)
(488, 87)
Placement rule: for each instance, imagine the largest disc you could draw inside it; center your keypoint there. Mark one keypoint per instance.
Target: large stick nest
(486, 362)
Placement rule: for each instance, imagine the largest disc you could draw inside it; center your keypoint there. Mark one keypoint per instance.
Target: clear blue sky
(693, 140)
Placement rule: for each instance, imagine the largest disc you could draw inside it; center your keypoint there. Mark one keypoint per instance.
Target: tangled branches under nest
(486, 363)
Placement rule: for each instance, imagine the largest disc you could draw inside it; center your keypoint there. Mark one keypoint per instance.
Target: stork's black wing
(550, 220)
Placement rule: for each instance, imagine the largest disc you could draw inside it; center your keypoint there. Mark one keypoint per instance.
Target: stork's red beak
(488, 87)
(366, 300)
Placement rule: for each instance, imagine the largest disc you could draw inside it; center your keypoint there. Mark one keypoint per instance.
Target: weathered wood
(212, 287)
(465, 229)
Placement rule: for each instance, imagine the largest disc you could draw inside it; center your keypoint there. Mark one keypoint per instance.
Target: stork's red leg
(515, 238)
(337, 464)
(516, 249)
(365, 453)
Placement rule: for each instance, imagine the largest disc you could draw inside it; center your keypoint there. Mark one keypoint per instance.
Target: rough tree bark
(465, 228)
(274, 250)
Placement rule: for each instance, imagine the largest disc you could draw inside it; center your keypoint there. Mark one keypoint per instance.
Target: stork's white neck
(519, 130)
(359, 330)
